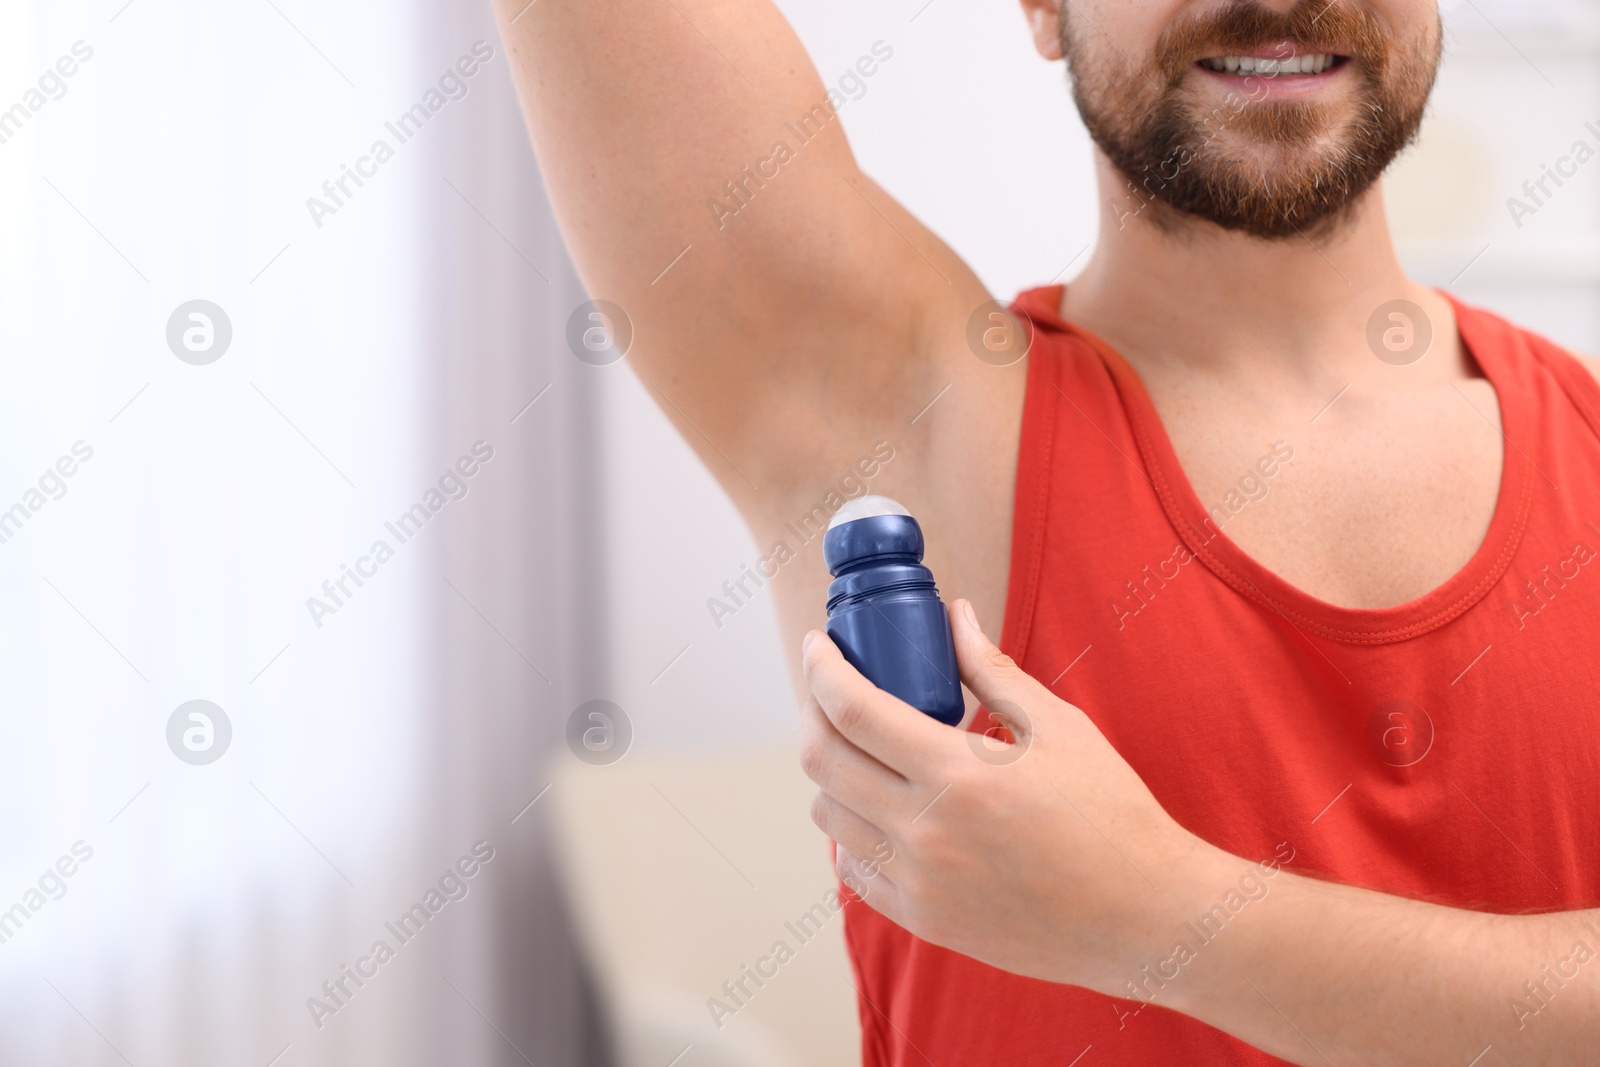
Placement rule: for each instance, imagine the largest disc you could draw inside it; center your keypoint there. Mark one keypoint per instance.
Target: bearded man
(1290, 748)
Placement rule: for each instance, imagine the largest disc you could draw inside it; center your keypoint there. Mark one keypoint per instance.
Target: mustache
(1312, 26)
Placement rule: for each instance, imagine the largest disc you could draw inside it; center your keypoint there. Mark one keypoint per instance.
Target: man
(1305, 541)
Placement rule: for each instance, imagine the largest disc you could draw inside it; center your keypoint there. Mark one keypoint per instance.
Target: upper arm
(704, 184)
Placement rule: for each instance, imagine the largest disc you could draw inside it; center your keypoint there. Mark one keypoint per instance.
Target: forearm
(1058, 863)
(1320, 973)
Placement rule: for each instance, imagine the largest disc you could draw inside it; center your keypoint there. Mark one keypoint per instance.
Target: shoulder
(1540, 344)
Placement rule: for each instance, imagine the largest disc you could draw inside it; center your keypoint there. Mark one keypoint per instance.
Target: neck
(1169, 289)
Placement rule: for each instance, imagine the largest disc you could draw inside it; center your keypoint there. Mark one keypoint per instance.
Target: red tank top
(1446, 749)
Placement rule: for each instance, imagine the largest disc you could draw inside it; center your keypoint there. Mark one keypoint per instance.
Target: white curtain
(374, 323)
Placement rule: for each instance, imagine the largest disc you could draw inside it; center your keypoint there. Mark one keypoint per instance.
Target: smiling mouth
(1301, 65)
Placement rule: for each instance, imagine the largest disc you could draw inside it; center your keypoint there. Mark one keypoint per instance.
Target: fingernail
(972, 617)
(805, 642)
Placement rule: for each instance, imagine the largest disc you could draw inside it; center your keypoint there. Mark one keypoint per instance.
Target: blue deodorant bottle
(884, 611)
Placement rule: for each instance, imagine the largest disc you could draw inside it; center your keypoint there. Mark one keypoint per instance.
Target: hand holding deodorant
(884, 611)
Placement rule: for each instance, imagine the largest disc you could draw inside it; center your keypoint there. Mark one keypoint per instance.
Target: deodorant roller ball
(884, 611)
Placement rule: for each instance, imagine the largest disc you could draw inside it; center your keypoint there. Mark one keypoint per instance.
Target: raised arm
(704, 183)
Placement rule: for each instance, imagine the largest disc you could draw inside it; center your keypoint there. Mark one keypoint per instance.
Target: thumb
(1005, 690)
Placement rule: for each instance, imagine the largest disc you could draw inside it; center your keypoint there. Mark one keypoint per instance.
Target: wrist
(1190, 897)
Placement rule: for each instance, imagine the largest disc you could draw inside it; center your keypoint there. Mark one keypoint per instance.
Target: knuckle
(849, 716)
(997, 662)
(819, 810)
(813, 759)
(843, 865)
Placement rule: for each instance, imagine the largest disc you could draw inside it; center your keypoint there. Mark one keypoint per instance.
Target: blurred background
(242, 346)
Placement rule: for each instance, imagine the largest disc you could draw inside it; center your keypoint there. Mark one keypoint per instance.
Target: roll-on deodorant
(884, 611)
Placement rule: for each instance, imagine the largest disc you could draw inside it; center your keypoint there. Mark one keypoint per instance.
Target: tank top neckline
(1490, 344)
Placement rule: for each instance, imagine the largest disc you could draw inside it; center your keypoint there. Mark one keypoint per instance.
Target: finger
(1006, 691)
(850, 831)
(879, 723)
(843, 770)
(868, 881)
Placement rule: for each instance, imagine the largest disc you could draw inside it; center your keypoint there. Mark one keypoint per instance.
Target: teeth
(1313, 63)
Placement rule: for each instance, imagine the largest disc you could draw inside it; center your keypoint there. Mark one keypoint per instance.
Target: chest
(1369, 503)
(1398, 748)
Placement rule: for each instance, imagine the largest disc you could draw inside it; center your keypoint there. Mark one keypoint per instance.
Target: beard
(1266, 167)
